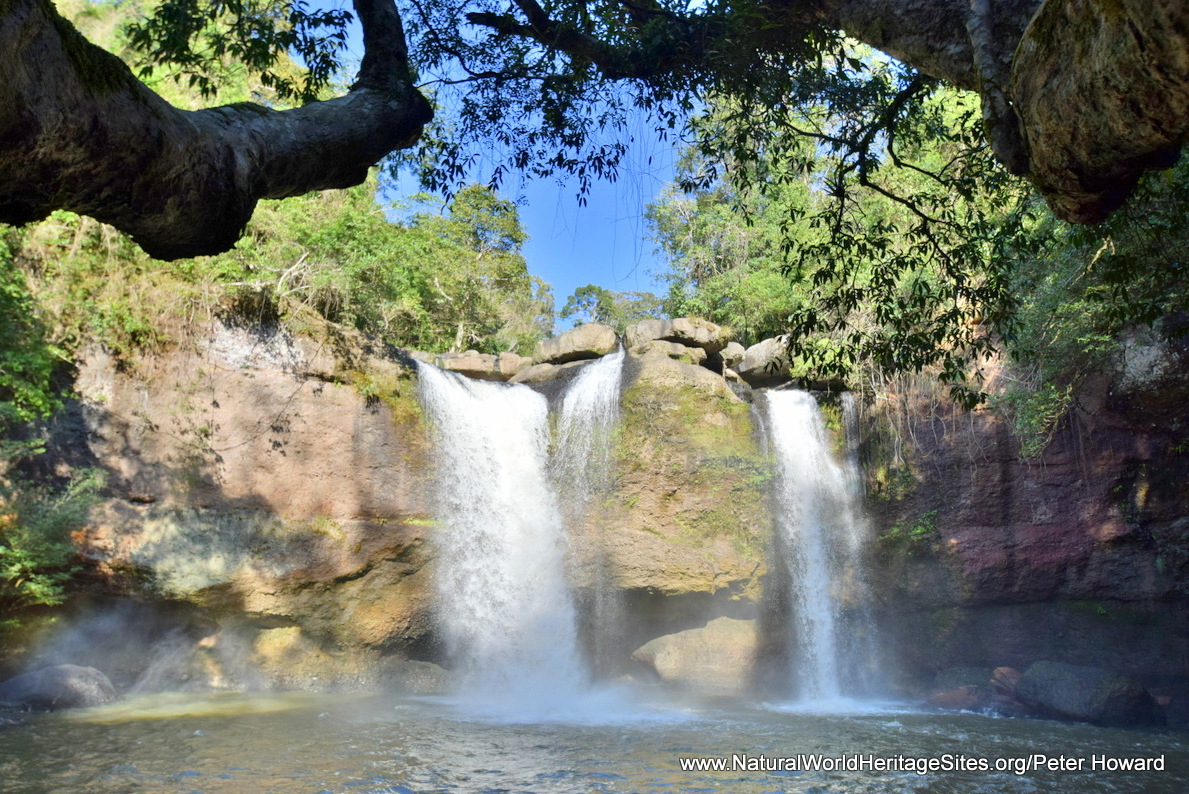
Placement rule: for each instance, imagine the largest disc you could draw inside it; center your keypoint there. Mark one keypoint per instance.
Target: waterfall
(589, 412)
(821, 535)
(503, 603)
(582, 474)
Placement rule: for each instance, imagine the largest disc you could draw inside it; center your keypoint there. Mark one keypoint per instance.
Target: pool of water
(308, 744)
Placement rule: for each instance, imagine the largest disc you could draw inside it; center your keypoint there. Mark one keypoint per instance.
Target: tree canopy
(1080, 97)
(912, 189)
(595, 304)
(996, 272)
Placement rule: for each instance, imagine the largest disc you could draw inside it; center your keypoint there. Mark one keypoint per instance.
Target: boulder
(764, 363)
(644, 331)
(473, 364)
(732, 354)
(692, 332)
(509, 364)
(962, 689)
(1087, 694)
(483, 366)
(591, 340)
(716, 658)
(1005, 680)
(687, 331)
(535, 373)
(964, 698)
(673, 350)
(539, 373)
(662, 372)
(957, 677)
(61, 686)
(421, 355)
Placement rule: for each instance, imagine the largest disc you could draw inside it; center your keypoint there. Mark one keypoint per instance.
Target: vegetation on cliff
(758, 247)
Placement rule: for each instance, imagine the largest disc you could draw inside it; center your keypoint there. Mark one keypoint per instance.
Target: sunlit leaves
(198, 41)
(28, 360)
(891, 230)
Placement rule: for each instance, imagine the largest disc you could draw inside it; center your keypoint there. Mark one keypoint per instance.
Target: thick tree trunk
(78, 131)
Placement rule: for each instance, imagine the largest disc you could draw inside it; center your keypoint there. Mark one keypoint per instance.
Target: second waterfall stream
(821, 543)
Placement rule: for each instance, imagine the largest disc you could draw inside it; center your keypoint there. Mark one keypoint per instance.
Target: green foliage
(200, 43)
(807, 228)
(1035, 412)
(93, 284)
(36, 522)
(594, 304)
(1078, 289)
(435, 282)
(562, 100)
(28, 360)
(913, 535)
(432, 281)
(723, 247)
(933, 267)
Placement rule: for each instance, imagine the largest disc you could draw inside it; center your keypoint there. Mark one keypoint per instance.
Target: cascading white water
(581, 472)
(823, 535)
(589, 412)
(504, 605)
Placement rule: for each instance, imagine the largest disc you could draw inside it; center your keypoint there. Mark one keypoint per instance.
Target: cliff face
(278, 486)
(255, 474)
(1079, 555)
(274, 491)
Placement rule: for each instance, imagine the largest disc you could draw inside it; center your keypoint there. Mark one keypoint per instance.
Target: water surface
(350, 745)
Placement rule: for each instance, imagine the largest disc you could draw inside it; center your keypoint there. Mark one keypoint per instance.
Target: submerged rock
(62, 686)
(1087, 694)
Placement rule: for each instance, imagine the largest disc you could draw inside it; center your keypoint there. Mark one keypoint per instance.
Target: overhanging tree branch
(1079, 96)
(79, 132)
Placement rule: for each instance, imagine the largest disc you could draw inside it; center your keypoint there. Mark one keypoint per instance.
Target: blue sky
(604, 242)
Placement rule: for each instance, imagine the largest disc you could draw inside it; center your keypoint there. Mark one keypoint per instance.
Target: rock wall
(272, 480)
(271, 491)
(1079, 555)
